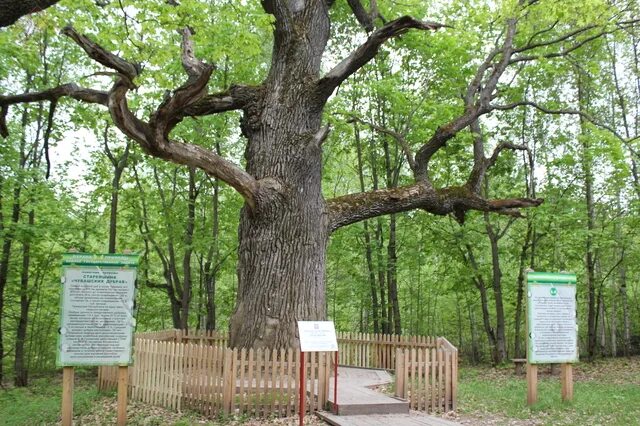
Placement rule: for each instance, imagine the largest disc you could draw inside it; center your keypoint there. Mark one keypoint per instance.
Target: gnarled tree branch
(352, 208)
(153, 136)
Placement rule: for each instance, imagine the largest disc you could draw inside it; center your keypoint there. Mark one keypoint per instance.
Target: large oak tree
(286, 222)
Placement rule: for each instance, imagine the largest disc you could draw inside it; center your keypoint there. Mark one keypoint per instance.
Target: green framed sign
(551, 318)
(97, 309)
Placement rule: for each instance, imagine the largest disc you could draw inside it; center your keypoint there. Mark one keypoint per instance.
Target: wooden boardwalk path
(360, 405)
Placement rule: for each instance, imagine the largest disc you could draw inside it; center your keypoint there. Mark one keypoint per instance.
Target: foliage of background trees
(69, 180)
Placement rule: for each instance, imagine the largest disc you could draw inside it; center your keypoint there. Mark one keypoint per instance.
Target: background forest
(70, 180)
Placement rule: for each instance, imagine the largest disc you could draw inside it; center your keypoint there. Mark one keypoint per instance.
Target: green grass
(39, 404)
(605, 393)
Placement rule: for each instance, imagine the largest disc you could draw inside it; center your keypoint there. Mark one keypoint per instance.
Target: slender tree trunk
(622, 274)
(375, 307)
(392, 276)
(590, 260)
(475, 350)
(119, 163)
(10, 230)
(520, 284)
(20, 367)
(213, 262)
(187, 281)
(602, 331)
(613, 323)
(478, 281)
(496, 279)
(626, 318)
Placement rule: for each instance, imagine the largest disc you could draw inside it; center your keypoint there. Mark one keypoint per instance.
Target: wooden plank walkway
(355, 395)
(360, 405)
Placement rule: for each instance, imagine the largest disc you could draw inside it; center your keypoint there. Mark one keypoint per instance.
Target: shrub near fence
(177, 369)
(213, 379)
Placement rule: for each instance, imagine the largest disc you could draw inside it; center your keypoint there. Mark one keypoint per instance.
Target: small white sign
(317, 336)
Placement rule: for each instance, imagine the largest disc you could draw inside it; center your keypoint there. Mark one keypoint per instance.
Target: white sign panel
(553, 335)
(97, 315)
(317, 336)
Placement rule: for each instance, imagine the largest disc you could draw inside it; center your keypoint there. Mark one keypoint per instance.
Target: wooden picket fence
(178, 369)
(356, 349)
(428, 377)
(377, 350)
(214, 379)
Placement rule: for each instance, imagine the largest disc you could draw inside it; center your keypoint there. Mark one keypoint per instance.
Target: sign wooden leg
(123, 385)
(67, 396)
(532, 383)
(566, 381)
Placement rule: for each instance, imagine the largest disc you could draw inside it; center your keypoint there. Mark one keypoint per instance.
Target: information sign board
(317, 336)
(97, 309)
(551, 314)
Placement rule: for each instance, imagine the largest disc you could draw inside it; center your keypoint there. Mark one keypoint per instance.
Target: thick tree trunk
(283, 239)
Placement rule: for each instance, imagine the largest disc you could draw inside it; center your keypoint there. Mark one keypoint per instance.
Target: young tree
(286, 222)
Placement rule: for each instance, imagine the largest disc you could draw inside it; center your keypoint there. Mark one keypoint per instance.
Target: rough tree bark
(285, 222)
